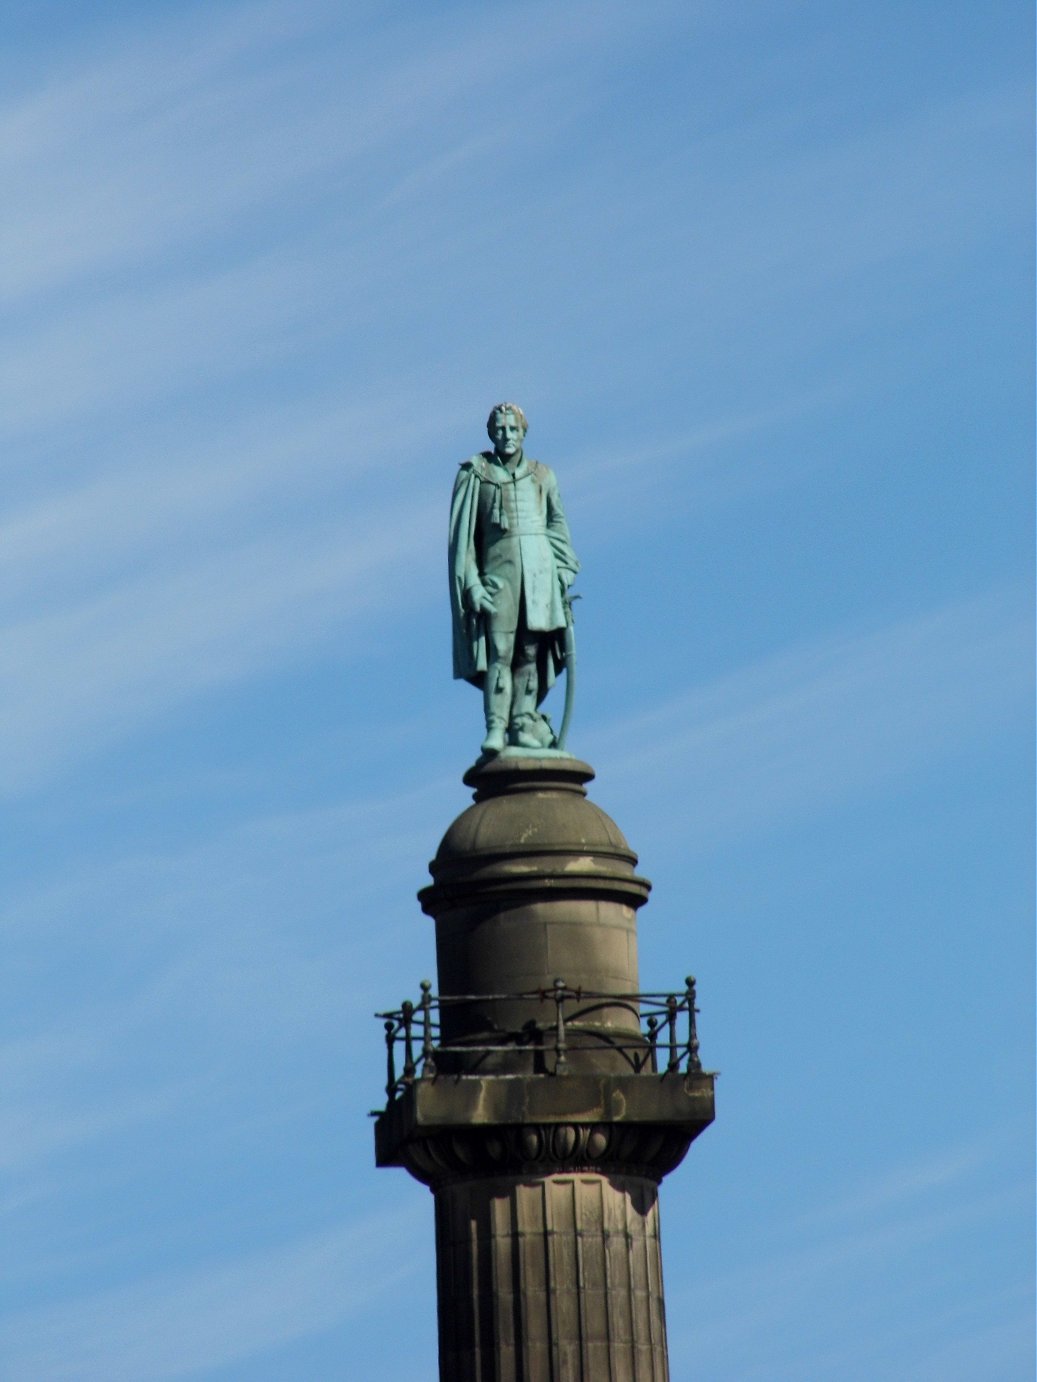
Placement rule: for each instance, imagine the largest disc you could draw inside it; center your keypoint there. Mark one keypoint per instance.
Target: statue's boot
(525, 722)
(497, 703)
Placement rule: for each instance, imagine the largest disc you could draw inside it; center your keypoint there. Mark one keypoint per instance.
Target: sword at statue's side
(570, 670)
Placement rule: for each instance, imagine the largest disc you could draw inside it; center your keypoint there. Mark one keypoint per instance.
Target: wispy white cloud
(104, 165)
(214, 969)
(135, 346)
(100, 159)
(63, 1119)
(128, 146)
(126, 183)
(179, 1324)
(838, 1293)
(906, 1184)
(79, 677)
(897, 189)
(701, 450)
(974, 1347)
(819, 724)
(250, 868)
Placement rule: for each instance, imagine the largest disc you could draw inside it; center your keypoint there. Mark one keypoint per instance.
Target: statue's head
(507, 427)
(506, 408)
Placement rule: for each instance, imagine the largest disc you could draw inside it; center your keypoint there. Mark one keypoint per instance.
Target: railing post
(408, 1041)
(694, 1064)
(390, 1059)
(428, 1059)
(671, 1032)
(653, 1043)
(561, 1058)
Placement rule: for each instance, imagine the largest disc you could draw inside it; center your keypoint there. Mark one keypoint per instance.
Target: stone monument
(511, 566)
(540, 1094)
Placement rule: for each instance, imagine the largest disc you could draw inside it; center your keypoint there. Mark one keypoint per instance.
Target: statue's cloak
(469, 628)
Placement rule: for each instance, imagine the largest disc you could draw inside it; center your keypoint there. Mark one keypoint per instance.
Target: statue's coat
(508, 534)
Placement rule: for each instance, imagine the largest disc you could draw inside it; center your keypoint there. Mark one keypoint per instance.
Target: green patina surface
(511, 566)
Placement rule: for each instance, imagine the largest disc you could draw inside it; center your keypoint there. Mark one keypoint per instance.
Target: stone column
(544, 1115)
(550, 1277)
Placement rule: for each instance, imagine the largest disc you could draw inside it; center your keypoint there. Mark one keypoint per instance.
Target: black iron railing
(664, 1041)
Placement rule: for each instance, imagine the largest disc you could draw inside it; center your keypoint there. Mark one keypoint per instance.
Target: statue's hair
(507, 408)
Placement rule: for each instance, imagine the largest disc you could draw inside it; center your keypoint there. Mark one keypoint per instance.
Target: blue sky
(760, 276)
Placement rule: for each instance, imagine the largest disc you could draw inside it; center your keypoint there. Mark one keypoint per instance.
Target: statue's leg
(527, 727)
(497, 688)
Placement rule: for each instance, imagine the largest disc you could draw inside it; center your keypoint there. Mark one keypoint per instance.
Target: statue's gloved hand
(479, 600)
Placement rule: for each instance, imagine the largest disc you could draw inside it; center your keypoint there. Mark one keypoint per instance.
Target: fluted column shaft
(554, 1278)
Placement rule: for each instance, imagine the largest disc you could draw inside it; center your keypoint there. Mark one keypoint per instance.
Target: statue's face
(506, 434)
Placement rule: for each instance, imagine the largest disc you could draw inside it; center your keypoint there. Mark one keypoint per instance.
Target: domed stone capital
(532, 831)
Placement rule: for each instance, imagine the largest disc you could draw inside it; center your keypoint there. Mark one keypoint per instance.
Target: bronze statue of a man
(511, 564)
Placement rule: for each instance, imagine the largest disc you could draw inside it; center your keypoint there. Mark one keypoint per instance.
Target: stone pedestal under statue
(540, 1094)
